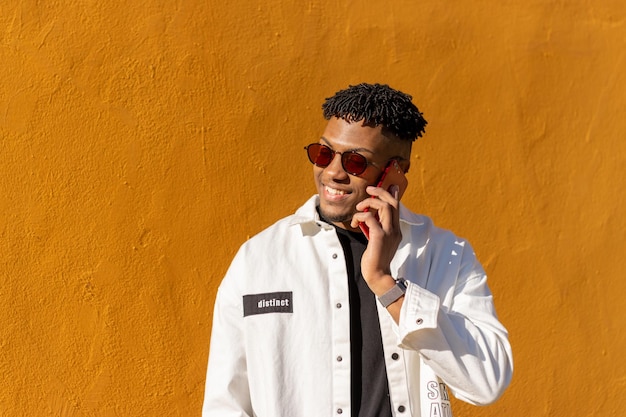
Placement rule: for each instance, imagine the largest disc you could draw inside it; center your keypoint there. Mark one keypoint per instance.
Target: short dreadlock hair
(377, 104)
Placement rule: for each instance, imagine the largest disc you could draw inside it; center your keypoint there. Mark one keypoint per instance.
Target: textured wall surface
(142, 143)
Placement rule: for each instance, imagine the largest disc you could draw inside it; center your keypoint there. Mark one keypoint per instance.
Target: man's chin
(335, 217)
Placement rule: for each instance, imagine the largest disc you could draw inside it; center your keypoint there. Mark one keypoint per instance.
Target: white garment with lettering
(289, 354)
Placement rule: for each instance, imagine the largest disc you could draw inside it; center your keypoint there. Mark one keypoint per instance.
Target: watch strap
(394, 293)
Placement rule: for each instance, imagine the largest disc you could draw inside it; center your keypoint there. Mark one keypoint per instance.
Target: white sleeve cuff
(419, 311)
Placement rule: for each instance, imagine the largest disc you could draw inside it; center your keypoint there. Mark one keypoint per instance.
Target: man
(315, 319)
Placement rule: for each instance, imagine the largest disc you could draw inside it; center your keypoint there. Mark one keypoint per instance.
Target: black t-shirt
(370, 390)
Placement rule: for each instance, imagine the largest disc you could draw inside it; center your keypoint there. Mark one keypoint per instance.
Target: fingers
(382, 197)
(381, 211)
(368, 218)
(389, 196)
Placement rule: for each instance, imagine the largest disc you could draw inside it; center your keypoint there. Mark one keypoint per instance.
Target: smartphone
(391, 175)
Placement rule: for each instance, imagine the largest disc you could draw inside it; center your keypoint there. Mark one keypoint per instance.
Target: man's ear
(405, 164)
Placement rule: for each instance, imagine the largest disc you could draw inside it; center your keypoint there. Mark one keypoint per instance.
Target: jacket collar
(310, 223)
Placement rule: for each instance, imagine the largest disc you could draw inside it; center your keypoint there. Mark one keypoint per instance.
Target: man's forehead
(347, 135)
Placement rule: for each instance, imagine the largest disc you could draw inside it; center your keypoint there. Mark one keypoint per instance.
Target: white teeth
(334, 191)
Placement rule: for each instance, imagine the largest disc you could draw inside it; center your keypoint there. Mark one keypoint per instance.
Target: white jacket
(288, 355)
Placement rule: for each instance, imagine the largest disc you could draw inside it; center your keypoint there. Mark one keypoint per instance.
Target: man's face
(339, 191)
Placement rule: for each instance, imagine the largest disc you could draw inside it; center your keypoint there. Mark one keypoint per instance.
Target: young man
(315, 319)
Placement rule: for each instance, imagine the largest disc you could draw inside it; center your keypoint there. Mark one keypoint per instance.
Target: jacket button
(395, 356)
(338, 305)
(419, 321)
(334, 256)
(401, 409)
(339, 411)
(339, 358)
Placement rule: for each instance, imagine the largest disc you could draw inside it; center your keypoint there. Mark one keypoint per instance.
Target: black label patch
(272, 302)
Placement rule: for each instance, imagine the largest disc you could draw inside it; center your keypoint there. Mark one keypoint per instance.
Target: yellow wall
(141, 144)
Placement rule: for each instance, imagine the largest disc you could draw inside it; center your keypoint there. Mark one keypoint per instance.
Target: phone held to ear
(391, 175)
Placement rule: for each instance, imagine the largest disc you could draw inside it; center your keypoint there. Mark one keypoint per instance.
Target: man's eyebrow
(347, 150)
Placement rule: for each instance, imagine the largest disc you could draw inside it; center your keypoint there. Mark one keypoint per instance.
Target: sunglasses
(351, 161)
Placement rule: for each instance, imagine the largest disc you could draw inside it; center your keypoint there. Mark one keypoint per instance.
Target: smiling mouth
(334, 191)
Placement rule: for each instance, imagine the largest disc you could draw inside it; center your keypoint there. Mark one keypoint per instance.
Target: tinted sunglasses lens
(319, 154)
(353, 163)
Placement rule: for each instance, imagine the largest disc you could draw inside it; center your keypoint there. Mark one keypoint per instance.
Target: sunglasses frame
(344, 158)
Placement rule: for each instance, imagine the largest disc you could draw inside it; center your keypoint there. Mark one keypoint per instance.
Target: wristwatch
(394, 293)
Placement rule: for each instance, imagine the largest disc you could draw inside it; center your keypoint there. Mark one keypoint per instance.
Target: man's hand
(384, 236)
